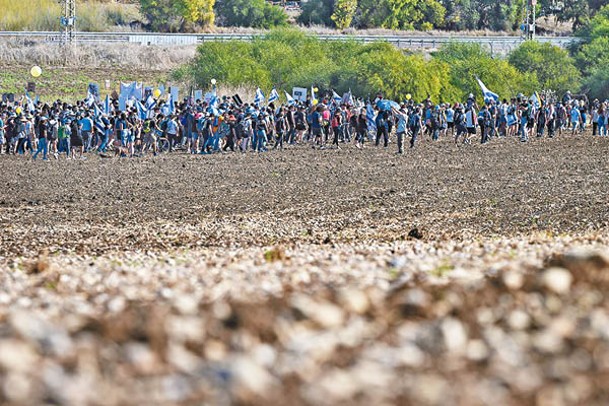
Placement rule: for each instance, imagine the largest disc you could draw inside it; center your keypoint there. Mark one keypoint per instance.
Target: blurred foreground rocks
(395, 328)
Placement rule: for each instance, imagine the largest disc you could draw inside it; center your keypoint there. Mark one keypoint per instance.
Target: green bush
(468, 61)
(554, 68)
(250, 13)
(287, 58)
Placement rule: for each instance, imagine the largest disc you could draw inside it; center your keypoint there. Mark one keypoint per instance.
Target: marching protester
(207, 127)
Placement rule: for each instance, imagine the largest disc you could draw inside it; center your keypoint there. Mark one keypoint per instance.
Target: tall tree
(176, 15)
(344, 10)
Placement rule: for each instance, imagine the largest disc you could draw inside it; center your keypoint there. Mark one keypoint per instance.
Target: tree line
(496, 15)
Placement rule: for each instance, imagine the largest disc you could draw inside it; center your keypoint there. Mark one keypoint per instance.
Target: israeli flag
(488, 95)
(99, 125)
(290, 99)
(336, 97)
(150, 103)
(90, 99)
(536, 100)
(107, 105)
(215, 100)
(274, 96)
(259, 97)
(370, 117)
(142, 112)
(96, 111)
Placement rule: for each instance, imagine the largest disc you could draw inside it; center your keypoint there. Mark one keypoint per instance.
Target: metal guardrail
(405, 41)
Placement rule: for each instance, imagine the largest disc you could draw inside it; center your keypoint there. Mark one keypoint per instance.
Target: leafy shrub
(286, 58)
(554, 68)
(250, 13)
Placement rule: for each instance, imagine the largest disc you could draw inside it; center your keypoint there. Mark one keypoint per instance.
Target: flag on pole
(536, 100)
(336, 97)
(96, 111)
(150, 103)
(370, 117)
(142, 112)
(290, 99)
(348, 98)
(30, 104)
(259, 97)
(488, 95)
(107, 105)
(274, 96)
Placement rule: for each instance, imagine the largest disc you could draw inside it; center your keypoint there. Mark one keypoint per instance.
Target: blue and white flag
(97, 111)
(488, 95)
(131, 90)
(336, 97)
(150, 103)
(348, 98)
(215, 100)
(122, 103)
(259, 97)
(142, 112)
(274, 96)
(90, 99)
(370, 116)
(290, 99)
(107, 106)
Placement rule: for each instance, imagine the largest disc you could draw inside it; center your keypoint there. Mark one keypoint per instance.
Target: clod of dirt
(40, 264)
(415, 233)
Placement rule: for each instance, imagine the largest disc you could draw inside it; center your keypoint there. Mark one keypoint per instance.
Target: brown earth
(297, 277)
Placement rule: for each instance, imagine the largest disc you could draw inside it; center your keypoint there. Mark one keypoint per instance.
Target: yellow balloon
(156, 93)
(408, 96)
(315, 89)
(36, 71)
(18, 110)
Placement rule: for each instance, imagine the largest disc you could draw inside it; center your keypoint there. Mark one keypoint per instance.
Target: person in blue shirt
(575, 118)
(402, 118)
(86, 129)
(172, 131)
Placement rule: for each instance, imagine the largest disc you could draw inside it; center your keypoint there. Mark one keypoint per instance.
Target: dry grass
(99, 55)
(43, 15)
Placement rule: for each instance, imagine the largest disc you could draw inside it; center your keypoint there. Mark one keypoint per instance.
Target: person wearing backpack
(416, 125)
(382, 128)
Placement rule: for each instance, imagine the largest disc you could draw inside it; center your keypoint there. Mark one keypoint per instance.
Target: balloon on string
(36, 71)
(315, 89)
(156, 93)
(408, 96)
(18, 110)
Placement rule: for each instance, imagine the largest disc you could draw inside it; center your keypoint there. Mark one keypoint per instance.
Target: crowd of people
(75, 130)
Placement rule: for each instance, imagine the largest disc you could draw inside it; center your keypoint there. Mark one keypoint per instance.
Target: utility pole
(68, 20)
(530, 25)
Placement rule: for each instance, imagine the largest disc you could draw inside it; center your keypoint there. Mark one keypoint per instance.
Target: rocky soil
(448, 275)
